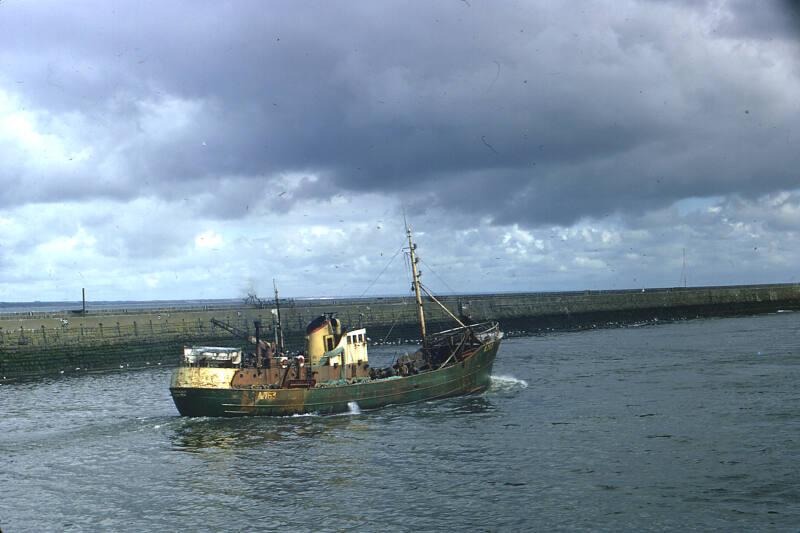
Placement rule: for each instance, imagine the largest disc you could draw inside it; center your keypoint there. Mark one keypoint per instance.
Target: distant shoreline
(67, 306)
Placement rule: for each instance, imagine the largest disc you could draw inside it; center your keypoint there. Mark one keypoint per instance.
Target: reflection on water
(201, 433)
(193, 434)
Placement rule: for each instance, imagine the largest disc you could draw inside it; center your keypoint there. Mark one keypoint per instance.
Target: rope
(381, 273)
(438, 276)
(407, 265)
(390, 330)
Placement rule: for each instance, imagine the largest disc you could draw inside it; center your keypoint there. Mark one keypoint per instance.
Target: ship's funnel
(321, 337)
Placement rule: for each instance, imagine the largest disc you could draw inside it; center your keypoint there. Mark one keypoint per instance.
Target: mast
(279, 326)
(683, 270)
(417, 292)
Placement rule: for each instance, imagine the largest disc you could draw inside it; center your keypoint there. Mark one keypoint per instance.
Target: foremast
(277, 319)
(417, 291)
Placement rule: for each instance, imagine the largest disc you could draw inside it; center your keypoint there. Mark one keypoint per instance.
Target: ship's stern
(202, 391)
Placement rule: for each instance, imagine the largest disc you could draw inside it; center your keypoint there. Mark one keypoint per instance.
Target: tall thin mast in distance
(420, 309)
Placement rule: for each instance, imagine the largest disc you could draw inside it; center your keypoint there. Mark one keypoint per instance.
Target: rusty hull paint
(202, 378)
(468, 376)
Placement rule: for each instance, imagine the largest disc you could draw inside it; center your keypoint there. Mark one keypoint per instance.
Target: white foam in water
(353, 408)
(509, 382)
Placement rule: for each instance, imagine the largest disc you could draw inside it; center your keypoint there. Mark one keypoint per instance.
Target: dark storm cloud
(528, 113)
(739, 18)
(767, 20)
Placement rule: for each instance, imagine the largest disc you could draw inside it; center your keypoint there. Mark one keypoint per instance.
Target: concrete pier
(34, 344)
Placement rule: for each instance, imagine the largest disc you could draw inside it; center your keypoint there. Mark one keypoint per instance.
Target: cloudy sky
(155, 150)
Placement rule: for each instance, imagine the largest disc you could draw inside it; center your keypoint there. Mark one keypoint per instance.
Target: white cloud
(34, 141)
(586, 262)
(208, 239)
(68, 244)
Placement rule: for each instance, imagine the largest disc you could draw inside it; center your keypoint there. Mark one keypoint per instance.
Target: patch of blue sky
(697, 204)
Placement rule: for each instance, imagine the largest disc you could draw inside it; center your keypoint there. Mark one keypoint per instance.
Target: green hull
(468, 376)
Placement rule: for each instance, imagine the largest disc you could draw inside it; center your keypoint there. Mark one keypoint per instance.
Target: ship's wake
(352, 409)
(506, 383)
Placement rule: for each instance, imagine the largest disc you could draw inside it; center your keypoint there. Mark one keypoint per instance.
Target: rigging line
(381, 273)
(438, 276)
(390, 330)
(463, 340)
(407, 265)
(440, 304)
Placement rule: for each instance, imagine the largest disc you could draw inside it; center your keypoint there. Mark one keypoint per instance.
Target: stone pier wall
(35, 344)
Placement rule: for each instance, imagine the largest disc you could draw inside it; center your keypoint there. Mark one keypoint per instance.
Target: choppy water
(683, 426)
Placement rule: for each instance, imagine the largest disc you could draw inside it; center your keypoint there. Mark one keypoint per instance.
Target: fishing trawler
(334, 371)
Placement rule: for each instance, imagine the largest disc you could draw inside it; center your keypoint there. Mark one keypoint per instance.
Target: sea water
(691, 425)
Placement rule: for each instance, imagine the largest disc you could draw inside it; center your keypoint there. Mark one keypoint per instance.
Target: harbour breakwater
(35, 344)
